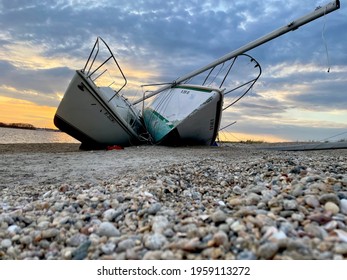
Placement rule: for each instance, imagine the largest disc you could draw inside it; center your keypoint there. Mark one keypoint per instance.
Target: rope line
(325, 41)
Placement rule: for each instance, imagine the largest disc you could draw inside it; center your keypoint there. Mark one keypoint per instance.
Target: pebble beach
(236, 201)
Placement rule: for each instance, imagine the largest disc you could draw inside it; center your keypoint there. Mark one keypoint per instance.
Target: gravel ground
(232, 202)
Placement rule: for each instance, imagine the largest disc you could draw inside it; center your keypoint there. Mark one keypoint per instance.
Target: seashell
(330, 225)
(269, 232)
(342, 235)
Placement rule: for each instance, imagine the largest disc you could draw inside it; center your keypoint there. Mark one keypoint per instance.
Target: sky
(43, 42)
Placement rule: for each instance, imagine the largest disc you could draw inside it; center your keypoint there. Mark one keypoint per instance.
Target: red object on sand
(114, 147)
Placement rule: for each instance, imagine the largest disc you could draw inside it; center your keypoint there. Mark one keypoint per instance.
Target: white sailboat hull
(184, 115)
(86, 114)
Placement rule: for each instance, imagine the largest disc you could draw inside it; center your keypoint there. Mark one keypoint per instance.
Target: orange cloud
(28, 56)
(14, 110)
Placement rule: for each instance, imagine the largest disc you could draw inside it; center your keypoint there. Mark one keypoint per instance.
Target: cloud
(154, 31)
(36, 85)
(42, 42)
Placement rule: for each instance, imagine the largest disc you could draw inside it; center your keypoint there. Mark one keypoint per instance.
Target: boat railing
(226, 76)
(233, 77)
(103, 69)
(243, 87)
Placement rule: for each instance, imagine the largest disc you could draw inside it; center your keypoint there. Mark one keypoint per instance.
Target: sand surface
(30, 164)
(54, 163)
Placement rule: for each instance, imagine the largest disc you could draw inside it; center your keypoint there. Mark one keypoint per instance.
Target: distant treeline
(18, 125)
(25, 126)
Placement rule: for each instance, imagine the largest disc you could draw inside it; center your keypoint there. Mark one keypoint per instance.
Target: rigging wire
(321, 142)
(231, 66)
(230, 124)
(325, 41)
(226, 135)
(209, 73)
(216, 75)
(252, 82)
(339, 134)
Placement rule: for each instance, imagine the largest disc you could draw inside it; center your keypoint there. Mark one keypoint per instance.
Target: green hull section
(157, 125)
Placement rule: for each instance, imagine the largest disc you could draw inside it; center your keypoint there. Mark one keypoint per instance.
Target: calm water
(13, 135)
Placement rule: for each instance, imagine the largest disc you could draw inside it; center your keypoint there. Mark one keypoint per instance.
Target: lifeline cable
(325, 42)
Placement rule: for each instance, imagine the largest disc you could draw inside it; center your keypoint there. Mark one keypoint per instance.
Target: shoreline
(38, 148)
(150, 202)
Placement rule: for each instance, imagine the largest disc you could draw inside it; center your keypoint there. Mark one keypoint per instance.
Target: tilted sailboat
(190, 114)
(198, 127)
(93, 111)
(182, 112)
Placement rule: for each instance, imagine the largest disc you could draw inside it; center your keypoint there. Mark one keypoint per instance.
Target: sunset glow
(296, 97)
(236, 137)
(20, 111)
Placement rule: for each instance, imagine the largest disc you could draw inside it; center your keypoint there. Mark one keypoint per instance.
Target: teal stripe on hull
(157, 125)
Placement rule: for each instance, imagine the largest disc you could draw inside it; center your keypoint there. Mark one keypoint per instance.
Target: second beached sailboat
(191, 114)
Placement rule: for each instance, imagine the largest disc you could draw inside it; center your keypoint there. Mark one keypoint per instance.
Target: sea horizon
(18, 135)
